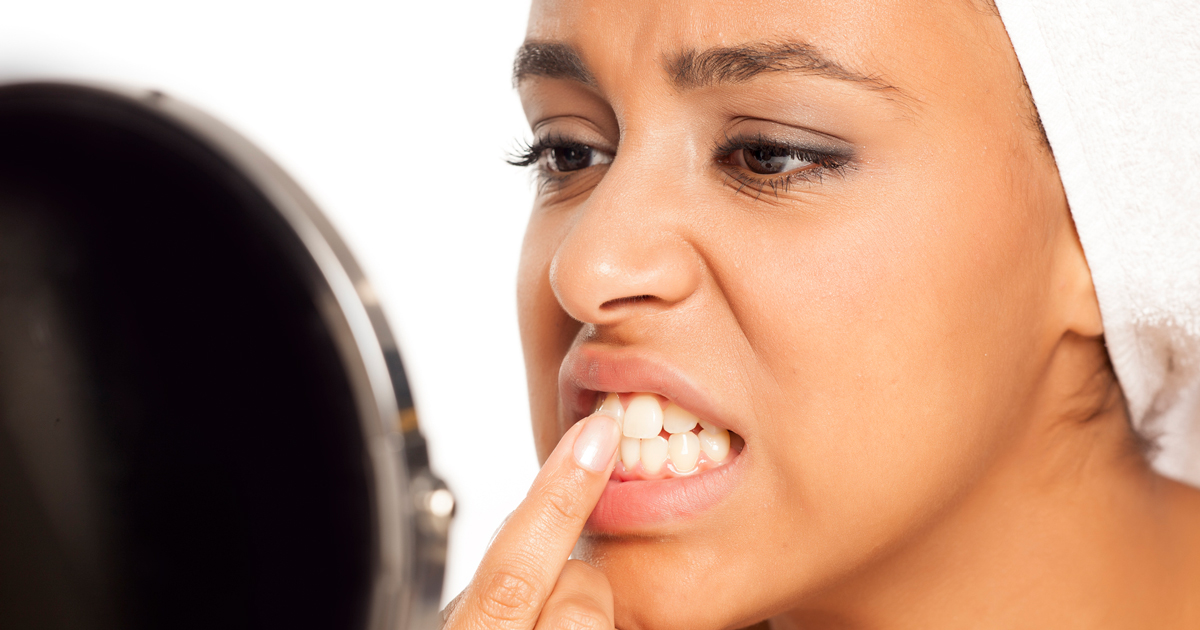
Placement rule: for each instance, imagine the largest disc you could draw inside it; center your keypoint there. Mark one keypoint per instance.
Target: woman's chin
(674, 582)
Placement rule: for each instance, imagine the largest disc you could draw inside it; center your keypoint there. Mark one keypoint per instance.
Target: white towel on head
(1117, 85)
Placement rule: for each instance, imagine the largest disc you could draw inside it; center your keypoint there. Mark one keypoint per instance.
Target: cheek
(891, 344)
(546, 331)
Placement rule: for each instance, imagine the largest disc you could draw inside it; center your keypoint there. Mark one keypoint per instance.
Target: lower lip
(628, 507)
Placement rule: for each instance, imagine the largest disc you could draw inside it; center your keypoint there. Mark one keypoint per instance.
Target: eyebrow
(550, 60)
(700, 68)
(739, 64)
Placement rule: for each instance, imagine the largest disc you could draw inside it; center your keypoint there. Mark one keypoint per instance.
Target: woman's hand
(526, 580)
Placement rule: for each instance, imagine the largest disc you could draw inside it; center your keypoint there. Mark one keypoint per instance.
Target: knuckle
(448, 611)
(508, 596)
(564, 506)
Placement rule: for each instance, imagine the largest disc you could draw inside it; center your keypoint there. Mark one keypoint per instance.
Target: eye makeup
(756, 162)
(759, 163)
(559, 154)
(559, 159)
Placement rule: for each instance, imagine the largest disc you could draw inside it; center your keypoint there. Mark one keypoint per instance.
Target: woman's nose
(626, 254)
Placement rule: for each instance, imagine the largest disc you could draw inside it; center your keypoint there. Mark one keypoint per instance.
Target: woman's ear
(1076, 293)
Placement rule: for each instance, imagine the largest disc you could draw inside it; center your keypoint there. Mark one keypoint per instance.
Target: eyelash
(530, 154)
(824, 161)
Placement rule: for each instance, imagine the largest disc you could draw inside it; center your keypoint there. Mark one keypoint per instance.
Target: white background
(395, 117)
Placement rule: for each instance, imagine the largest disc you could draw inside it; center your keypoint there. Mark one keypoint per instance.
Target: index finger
(520, 569)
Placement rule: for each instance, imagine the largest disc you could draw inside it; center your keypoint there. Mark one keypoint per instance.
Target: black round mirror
(204, 420)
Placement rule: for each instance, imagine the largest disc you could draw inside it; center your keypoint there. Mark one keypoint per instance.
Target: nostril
(626, 300)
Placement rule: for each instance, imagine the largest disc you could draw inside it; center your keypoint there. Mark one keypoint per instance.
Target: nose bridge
(627, 250)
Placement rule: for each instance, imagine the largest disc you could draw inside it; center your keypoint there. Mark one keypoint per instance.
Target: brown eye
(575, 157)
(766, 160)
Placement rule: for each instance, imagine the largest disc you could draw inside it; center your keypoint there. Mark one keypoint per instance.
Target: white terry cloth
(1117, 85)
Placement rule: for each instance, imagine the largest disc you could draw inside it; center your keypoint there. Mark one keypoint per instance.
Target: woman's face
(827, 227)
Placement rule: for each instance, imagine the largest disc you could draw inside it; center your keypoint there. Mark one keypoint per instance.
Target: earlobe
(1080, 308)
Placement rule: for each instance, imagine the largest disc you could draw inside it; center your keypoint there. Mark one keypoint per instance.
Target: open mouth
(680, 455)
(662, 440)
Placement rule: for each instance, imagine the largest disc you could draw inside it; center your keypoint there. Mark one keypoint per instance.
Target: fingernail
(596, 443)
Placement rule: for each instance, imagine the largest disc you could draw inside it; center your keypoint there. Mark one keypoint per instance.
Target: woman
(822, 255)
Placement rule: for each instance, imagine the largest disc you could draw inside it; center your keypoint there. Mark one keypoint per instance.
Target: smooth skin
(934, 436)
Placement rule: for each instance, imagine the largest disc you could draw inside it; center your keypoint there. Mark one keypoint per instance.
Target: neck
(1075, 531)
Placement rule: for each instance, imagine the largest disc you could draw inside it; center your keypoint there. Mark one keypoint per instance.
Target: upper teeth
(643, 418)
(677, 420)
(642, 422)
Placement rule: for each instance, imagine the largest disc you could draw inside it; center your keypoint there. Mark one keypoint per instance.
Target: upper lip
(588, 369)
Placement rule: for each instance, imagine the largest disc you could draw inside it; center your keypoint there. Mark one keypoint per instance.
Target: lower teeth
(655, 452)
(684, 451)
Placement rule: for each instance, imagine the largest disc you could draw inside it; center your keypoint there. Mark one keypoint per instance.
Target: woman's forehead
(945, 64)
(890, 45)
